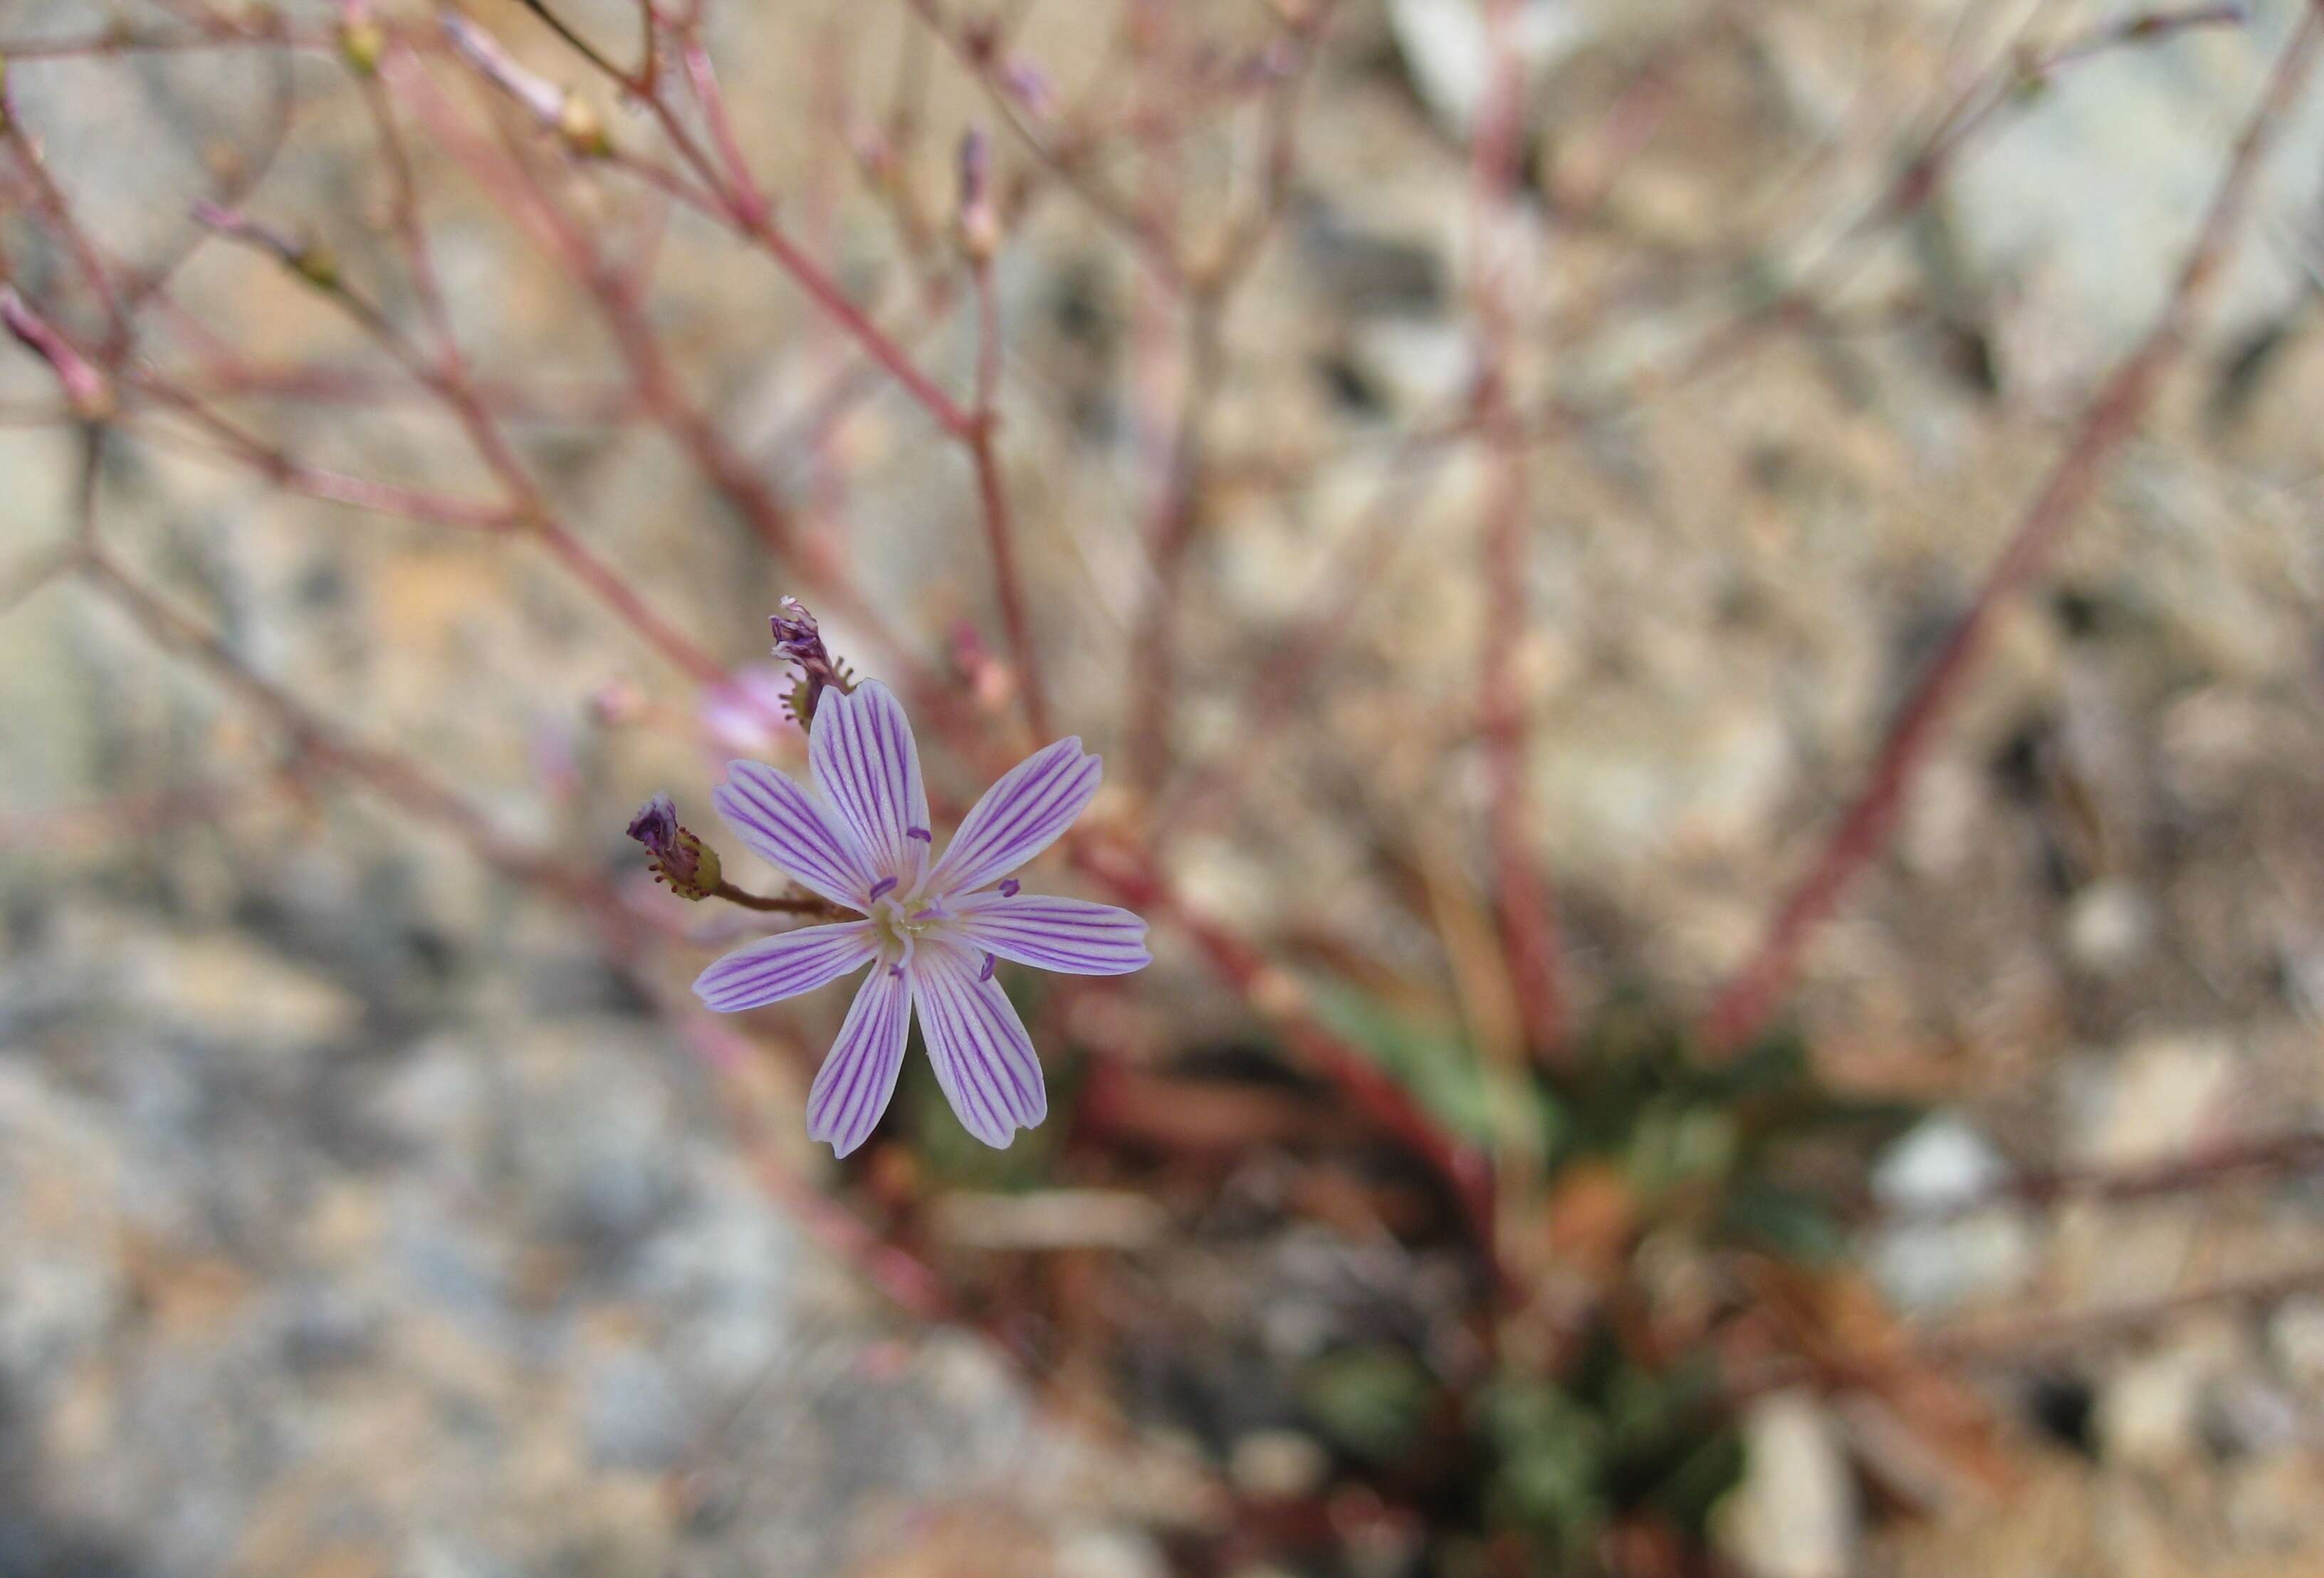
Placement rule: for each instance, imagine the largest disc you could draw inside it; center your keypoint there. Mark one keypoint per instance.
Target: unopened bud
(688, 865)
(1025, 81)
(583, 129)
(558, 108)
(617, 704)
(980, 222)
(362, 40)
(877, 155)
(319, 266)
(87, 390)
(308, 260)
(799, 639)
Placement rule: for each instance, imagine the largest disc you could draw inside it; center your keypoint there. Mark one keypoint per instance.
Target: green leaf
(1790, 1222)
(1369, 1401)
(1688, 1492)
(1432, 1060)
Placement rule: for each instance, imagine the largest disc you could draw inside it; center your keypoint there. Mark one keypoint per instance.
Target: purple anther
(1008, 889)
(922, 833)
(883, 887)
(986, 974)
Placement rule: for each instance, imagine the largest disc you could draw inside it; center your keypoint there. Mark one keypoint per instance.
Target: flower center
(899, 923)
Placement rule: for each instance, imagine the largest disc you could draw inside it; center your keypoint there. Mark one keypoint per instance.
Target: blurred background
(1697, 1028)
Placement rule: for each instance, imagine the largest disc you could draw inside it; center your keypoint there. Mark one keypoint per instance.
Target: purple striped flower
(933, 925)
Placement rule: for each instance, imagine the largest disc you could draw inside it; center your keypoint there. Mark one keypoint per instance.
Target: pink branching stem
(450, 376)
(1743, 1008)
(1209, 788)
(85, 389)
(981, 58)
(299, 477)
(654, 382)
(288, 471)
(824, 291)
(993, 496)
(749, 202)
(227, 377)
(1985, 99)
(753, 216)
(446, 375)
(1171, 525)
(394, 777)
(1180, 448)
(747, 211)
(1522, 900)
(52, 203)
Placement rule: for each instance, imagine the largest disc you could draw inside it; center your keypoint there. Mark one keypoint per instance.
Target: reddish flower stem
(394, 778)
(1522, 902)
(993, 496)
(1274, 996)
(1744, 1007)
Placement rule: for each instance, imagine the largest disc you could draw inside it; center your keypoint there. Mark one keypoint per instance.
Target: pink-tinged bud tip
(980, 222)
(676, 856)
(86, 388)
(799, 639)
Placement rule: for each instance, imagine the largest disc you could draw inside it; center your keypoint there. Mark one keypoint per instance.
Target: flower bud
(362, 40)
(688, 865)
(980, 222)
(798, 639)
(86, 388)
(583, 129)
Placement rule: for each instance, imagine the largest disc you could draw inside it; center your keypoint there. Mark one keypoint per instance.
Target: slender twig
(1522, 900)
(1150, 241)
(750, 205)
(1744, 1007)
(2266, 1156)
(637, 81)
(39, 569)
(1277, 998)
(2038, 1339)
(993, 496)
(1173, 522)
(775, 905)
(394, 778)
(95, 271)
(1984, 99)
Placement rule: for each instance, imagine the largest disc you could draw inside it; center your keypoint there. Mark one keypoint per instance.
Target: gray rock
(632, 1415)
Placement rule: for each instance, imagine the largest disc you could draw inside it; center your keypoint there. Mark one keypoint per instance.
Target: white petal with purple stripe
(1018, 816)
(1069, 934)
(984, 1058)
(785, 965)
(867, 769)
(856, 1082)
(777, 819)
